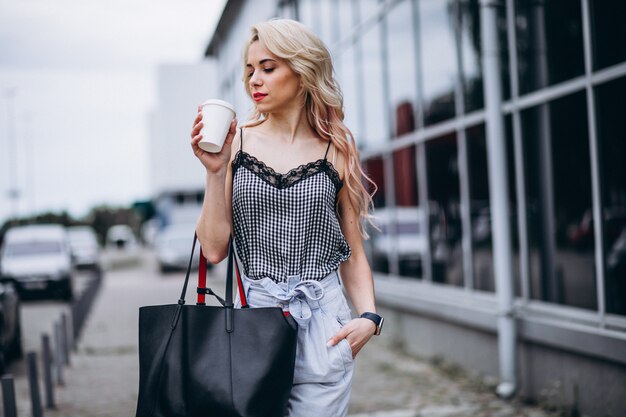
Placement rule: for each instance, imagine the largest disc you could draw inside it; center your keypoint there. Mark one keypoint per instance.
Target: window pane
(480, 210)
(444, 205)
(405, 175)
(470, 49)
(556, 147)
(373, 99)
(438, 60)
(608, 31)
(549, 42)
(411, 222)
(611, 103)
(401, 64)
(380, 244)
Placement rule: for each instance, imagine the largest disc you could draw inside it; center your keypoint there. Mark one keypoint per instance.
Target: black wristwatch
(378, 320)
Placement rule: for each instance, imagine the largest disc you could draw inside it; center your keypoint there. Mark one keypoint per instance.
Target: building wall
(181, 88)
(412, 78)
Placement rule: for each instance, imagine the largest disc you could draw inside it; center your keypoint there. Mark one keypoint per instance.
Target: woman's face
(273, 85)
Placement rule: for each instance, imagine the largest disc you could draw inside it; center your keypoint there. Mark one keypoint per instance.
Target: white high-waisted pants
(323, 375)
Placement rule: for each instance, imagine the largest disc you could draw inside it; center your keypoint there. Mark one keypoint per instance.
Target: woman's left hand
(358, 331)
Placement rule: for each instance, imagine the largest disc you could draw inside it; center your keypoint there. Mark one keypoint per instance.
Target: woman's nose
(255, 81)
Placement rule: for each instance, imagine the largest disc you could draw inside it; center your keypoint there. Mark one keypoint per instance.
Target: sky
(77, 81)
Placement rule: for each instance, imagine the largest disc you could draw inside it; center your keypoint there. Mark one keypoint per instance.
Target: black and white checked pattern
(285, 224)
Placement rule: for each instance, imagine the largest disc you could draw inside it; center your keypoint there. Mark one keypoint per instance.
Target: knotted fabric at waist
(297, 296)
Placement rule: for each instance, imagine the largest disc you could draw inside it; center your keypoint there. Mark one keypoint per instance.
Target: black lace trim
(292, 177)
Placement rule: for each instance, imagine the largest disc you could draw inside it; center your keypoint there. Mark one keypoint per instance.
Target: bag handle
(202, 290)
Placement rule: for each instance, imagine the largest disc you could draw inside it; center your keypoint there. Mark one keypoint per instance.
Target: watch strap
(378, 320)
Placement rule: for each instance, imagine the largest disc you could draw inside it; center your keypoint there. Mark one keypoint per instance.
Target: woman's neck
(289, 126)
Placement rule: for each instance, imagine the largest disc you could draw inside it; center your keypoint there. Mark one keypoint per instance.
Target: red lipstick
(258, 96)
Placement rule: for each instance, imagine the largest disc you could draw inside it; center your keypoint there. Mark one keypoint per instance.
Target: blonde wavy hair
(309, 58)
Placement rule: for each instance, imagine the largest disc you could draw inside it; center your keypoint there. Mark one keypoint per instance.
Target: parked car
(85, 247)
(121, 236)
(38, 258)
(10, 325)
(410, 242)
(173, 248)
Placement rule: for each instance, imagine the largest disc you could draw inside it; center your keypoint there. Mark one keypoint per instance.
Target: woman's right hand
(213, 162)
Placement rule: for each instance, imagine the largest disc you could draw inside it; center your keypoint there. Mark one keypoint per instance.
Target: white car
(410, 241)
(38, 258)
(85, 247)
(173, 248)
(121, 237)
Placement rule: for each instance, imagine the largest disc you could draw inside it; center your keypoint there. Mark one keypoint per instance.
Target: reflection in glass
(556, 147)
(549, 42)
(411, 226)
(445, 213)
(612, 150)
(379, 245)
(404, 166)
(438, 60)
(401, 57)
(480, 211)
(608, 32)
(372, 90)
(470, 50)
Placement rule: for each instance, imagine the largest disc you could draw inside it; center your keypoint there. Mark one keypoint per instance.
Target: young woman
(297, 208)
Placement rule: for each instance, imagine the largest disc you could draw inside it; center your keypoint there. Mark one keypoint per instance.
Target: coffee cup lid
(219, 103)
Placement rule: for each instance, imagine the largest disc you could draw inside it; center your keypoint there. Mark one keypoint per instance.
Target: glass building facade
(411, 73)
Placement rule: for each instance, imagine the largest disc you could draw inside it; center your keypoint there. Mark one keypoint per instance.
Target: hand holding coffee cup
(217, 116)
(218, 160)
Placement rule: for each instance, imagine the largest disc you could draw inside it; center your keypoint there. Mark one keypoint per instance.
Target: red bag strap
(202, 271)
(202, 279)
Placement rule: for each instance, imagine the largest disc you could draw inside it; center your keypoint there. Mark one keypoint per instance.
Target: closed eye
(266, 70)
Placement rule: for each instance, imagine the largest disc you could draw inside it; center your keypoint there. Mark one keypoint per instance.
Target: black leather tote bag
(215, 361)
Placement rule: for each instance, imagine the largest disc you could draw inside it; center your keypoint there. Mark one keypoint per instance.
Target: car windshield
(82, 239)
(33, 248)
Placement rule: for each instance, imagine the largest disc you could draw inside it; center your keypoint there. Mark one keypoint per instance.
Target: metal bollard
(65, 340)
(33, 382)
(58, 354)
(70, 332)
(47, 370)
(8, 396)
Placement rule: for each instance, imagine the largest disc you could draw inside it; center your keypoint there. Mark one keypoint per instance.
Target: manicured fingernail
(329, 344)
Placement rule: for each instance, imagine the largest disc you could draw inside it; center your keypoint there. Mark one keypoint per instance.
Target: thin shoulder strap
(241, 138)
(327, 148)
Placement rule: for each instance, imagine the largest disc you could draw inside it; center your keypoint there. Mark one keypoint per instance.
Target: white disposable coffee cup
(217, 115)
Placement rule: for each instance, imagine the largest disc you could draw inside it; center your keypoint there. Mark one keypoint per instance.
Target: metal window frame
(469, 281)
(420, 148)
(595, 169)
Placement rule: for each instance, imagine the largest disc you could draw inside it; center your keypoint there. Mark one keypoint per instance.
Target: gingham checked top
(285, 224)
